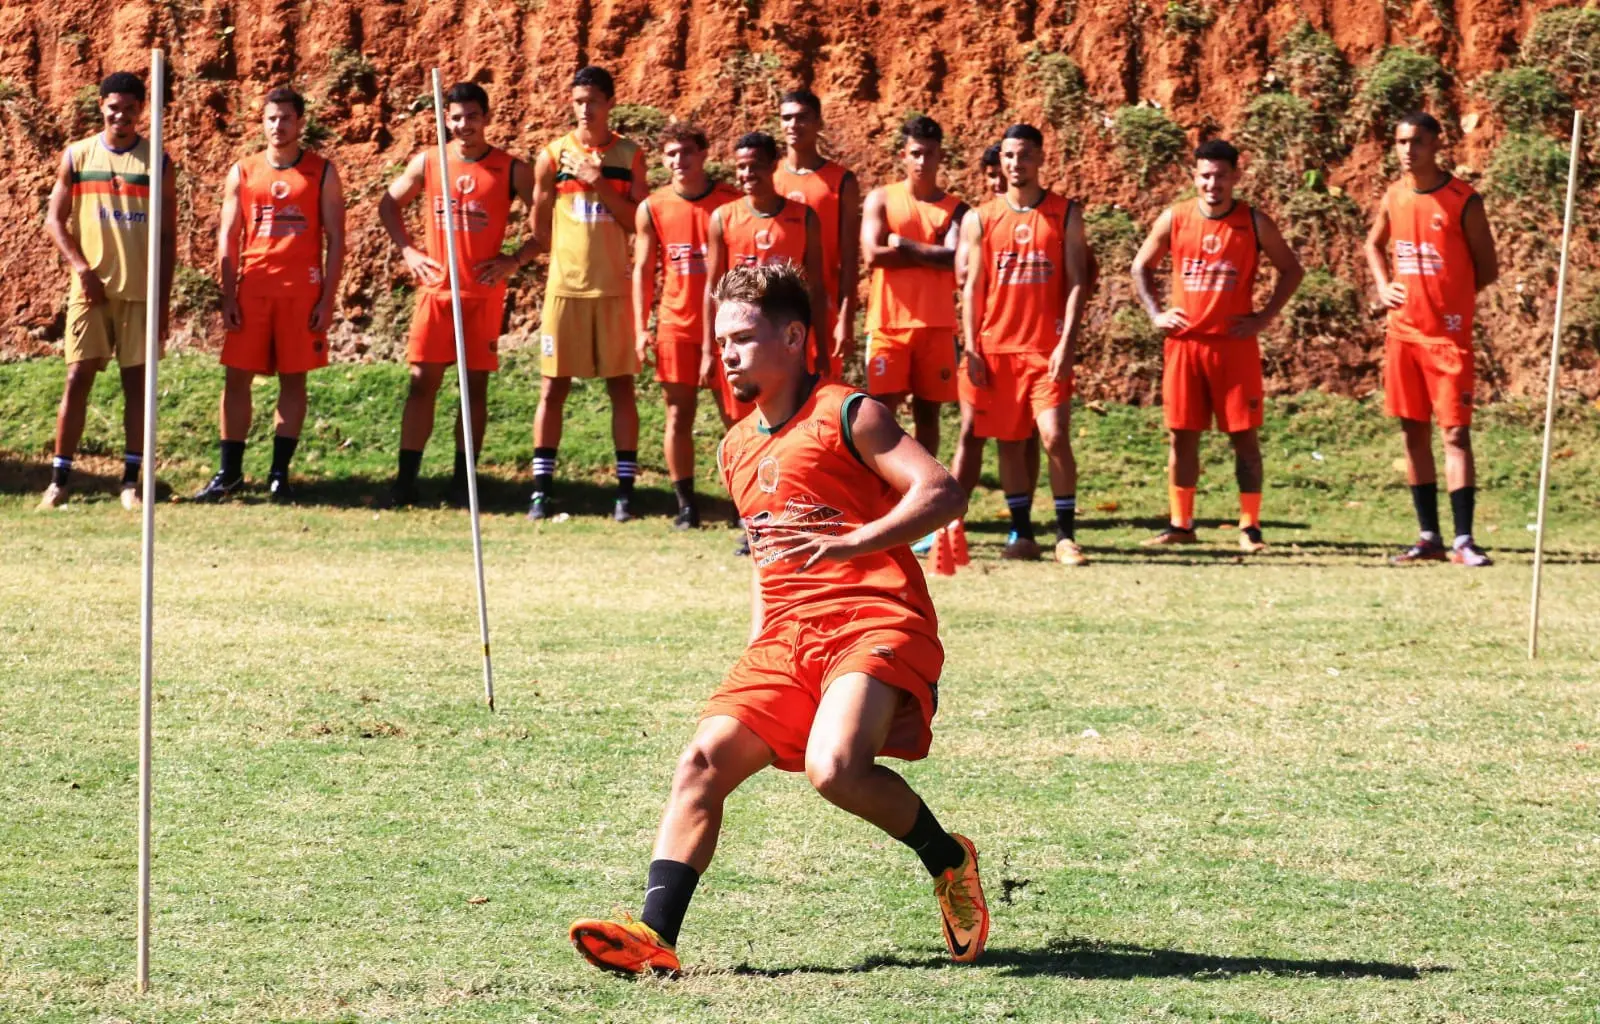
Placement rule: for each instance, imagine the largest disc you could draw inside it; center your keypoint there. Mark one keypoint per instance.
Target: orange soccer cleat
(625, 947)
(962, 907)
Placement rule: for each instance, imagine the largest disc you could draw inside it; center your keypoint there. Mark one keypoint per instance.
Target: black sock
(1021, 506)
(230, 459)
(1425, 498)
(928, 840)
(627, 469)
(1066, 517)
(544, 469)
(131, 461)
(282, 451)
(410, 466)
(1462, 502)
(666, 897)
(459, 474)
(684, 489)
(60, 470)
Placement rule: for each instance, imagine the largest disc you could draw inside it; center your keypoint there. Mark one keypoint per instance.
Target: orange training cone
(958, 543)
(942, 558)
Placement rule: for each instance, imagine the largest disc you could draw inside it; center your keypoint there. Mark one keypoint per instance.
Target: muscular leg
(968, 460)
(553, 393)
(1422, 474)
(624, 413)
(682, 400)
(1034, 458)
(291, 415)
(133, 408)
(1055, 437)
(1247, 470)
(925, 421)
(235, 406)
(851, 724)
(1183, 459)
(416, 422)
(75, 405)
(478, 398)
(722, 754)
(1460, 476)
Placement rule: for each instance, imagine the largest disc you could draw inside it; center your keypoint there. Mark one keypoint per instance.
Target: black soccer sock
(1021, 506)
(282, 452)
(1425, 498)
(544, 469)
(230, 459)
(131, 461)
(928, 840)
(1463, 500)
(627, 469)
(666, 897)
(684, 489)
(1066, 517)
(410, 466)
(60, 470)
(459, 474)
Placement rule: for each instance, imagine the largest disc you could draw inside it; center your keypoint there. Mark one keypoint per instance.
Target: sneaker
(1424, 550)
(130, 497)
(626, 946)
(278, 490)
(1250, 541)
(539, 506)
(962, 909)
(741, 549)
(1068, 553)
(216, 491)
(457, 496)
(622, 511)
(687, 519)
(401, 496)
(924, 545)
(54, 497)
(1466, 552)
(1171, 535)
(1020, 549)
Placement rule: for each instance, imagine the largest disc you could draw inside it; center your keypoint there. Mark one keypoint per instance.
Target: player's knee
(422, 384)
(1458, 438)
(834, 775)
(554, 389)
(697, 774)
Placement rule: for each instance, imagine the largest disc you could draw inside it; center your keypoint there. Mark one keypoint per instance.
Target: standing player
(1213, 361)
(589, 184)
(1025, 294)
(806, 176)
(1443, 256)
(484, 179)
(99, 217)
(844, 656)
(670, 230)
(278, 295)
(909, 232)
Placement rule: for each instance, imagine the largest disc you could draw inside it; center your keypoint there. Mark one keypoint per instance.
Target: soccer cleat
(741, 549)
(961, 906)
(539, 507)
(457, 494)
(54, 497)
(129, 496)
(400, 496)
(1020, 549)
(278, 490)
(1068, 553)
(217, 490)
(622, 511)
(1466, 552)
(626, 946)
(1250, 541)
(687, 519)
(1171, 535)
(924, 545)
(1424, 550)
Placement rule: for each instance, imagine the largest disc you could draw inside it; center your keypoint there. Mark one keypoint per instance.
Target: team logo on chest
(1022, 234)
(764, 239)
(1211, 244)
(279, 189)
(1436, 222)
(466, 184)
(767, 475)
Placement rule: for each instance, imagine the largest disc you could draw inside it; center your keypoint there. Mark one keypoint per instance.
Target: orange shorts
(276, 336)
(918, 360)
(776, 685)
(1428, 380)
(1202, 381)
(433, 331)
(1020, 388)
(677, 359)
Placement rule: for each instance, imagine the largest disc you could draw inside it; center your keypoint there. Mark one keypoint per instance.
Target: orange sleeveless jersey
(753, 240)
(1214, 262)
(1433, 261)
(1026, 282)
(806, 474)
(480, 198)
(282, 252)
(819, 190)
(919, 296)
(681, 227)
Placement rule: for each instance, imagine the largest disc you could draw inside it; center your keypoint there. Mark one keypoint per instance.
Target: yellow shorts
(113, 328)
(587, 337)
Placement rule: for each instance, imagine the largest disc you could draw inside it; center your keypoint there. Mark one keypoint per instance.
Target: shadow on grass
(1087, 959)
(1154, 524)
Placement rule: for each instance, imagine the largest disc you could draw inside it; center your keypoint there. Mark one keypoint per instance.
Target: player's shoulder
(1459, 188)
(834, 173)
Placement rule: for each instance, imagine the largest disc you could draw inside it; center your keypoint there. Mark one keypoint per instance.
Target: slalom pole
(152, 359)
(447, 187)
(1550, 392)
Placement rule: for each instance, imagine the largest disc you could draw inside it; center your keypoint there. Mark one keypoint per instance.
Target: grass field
(1309, 788)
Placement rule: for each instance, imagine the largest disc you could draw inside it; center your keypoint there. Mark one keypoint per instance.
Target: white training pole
(448, 188)
(1550, 394)
(152, 353)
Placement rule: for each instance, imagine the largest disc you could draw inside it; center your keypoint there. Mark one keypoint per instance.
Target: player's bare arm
(1290, 273)
(391, 211)
(974, 296)
(169, 239)
(331, 209)
(590, 172)
(884, 250)
(1145, 264)
(1391, 293)
(56, 216)
(844, 328)
(716, 266)
(1075, 257)
(503, 265)
(228, 251)
(1480, 240)
(645, 255)
(819, 297)
(542, 218)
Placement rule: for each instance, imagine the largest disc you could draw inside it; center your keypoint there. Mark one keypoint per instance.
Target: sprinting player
(909, 233)
(1024, 303)
(278, 287)
(1444, 255)
(1212, 368)
(484, 179)
(844, 656)
(99, 217)
(806, 176)
(670, 229)
(589, 186)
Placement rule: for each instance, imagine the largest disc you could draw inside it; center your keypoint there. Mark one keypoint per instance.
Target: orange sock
(1250, 510)
(1181, 501)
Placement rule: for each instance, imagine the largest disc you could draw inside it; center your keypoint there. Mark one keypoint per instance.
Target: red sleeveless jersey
(753, 240)
(819, 189)
(805, 473)
(282, 207)
(1214, 263)
(480, 199)
(916, 296)
(681, 227)
(1025, 303)
(1432, 259)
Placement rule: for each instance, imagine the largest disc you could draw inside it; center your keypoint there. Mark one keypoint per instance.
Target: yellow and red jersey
(804, 476)
(111, 213)
(819, 189)
(589, 255)
(1023, 251)
(754, 239)
(681, 227)
(282, 209)
(1428, 243)
(1214, 263)
(480, 202)
(916, 296)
